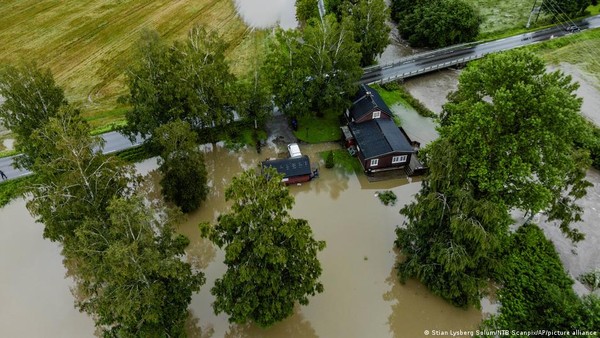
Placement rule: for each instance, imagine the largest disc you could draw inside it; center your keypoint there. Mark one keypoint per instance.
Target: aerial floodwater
(362, 296)
(268, 13)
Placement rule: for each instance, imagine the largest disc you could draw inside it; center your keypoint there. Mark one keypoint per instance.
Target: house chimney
(368, 94)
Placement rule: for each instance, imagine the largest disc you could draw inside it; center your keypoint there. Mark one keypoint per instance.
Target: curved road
(403, 68)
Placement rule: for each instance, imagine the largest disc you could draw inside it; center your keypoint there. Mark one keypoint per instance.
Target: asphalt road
(443, 58)
(114, 142)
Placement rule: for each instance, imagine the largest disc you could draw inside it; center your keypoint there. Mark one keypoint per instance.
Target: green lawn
(313, 129)
(578, 49)
(343, 160)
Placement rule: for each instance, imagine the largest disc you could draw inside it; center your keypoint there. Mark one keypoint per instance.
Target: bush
(329, 163)
(387, 197)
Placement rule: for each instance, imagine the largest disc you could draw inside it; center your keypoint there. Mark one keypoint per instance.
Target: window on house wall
(374, 162)
(398, 159)
(376, 114)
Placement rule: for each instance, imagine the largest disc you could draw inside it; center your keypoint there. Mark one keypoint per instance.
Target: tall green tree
(184, 180)
(271, 257)
(131, 276)
(74, 180)
(369, 20)
(507, 141)
(122, 252)
(439, 23)
(316, 69)
(31, 98)
(189, 80)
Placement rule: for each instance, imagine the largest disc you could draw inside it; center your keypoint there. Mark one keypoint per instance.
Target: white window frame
(374, 162)
(376, 114)
(399, 159)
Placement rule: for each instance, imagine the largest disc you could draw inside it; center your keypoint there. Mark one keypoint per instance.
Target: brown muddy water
(268, 13)
(362, 297)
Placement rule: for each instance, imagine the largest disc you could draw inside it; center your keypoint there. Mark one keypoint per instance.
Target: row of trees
(123, 253)
(508, 141)
(122, 249)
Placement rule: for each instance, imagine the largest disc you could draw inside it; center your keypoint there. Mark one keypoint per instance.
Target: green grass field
(87, 43)
(579, 49)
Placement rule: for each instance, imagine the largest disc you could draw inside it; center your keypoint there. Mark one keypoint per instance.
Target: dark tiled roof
(363, 103)
(290, 167)
(379, 137)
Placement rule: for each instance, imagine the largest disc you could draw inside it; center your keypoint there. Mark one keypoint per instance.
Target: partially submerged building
(373, 136)
(294, 169)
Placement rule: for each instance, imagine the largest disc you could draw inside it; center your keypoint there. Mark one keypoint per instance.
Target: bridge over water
(427, 62)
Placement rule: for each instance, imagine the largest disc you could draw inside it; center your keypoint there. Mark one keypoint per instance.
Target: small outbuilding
(294, 169)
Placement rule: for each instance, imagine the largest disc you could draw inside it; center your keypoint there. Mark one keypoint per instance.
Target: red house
(380, 144)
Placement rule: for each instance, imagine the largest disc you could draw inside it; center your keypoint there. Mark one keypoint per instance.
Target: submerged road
(401, 69)
(113, 142)
(443, 58)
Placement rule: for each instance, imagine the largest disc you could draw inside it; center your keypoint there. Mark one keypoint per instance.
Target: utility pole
(534, 10)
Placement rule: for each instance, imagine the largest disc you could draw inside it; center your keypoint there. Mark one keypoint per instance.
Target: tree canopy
(315, 69)
(184, 180)
(31, 98)
(271, 257)
(189, 80)
(536, 291)
(436, 23)
(507, 141)
(370, 28)
(121, 250)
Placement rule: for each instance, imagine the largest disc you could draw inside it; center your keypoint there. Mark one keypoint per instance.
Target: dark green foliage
(439, 23)
(12, 189)
(591, 279)
(31, 99)
(73, 180)
(452, 238)
(511, 102)
(370, 29)
(306, 10)
(134, 281)
(314, 70)
(562, 10)
(536, 292)
(190, 81)
(387, 197)
(271, 257)
(123, 253)
(591, 142)
(184, 180)
(484, 165)
(329, 161)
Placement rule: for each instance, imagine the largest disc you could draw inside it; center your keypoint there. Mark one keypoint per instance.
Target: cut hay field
(87, 43)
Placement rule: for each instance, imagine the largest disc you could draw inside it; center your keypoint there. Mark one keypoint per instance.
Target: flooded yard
(362, 296)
